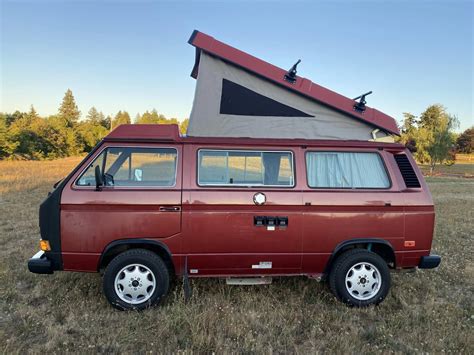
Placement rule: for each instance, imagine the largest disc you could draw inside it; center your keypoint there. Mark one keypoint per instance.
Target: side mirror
(99, 180)
(138, 174)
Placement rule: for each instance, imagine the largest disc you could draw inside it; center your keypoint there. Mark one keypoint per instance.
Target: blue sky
(134, 56)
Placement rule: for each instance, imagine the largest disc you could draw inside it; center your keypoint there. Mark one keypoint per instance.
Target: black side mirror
(99, 180)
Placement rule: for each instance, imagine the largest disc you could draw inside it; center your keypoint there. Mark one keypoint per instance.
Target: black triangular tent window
(238, 100)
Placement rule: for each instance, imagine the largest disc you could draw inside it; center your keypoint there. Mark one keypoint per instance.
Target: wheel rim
(135, 283)
(363, 281)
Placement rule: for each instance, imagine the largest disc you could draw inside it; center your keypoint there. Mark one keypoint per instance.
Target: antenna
(360, 106)
(290, 76)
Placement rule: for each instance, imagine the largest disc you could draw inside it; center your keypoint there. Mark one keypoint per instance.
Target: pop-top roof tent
(238, 95)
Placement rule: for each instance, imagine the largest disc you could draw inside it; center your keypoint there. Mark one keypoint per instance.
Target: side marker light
(44, 245)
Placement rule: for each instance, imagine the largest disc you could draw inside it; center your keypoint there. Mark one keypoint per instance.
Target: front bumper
(429, 262)
(40, 264)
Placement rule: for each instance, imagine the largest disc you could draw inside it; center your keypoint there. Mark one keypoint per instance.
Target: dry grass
(463, 169)
(426, 311)
(465, 158)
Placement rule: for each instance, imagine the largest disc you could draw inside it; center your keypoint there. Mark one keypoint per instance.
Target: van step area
(248, 281)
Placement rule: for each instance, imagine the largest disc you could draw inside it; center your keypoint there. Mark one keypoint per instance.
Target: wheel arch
(119, 246)
(380, 247)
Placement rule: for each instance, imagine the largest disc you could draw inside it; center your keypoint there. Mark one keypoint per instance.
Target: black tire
(350, 259)
(157, 272)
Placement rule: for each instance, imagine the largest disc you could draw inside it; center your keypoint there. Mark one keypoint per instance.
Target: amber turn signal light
(44, 245)
(409, 243)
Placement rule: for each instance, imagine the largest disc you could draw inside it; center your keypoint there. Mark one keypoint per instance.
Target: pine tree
(409, 123)
(92, 130)
(68, 110)
(107, 122)
(408, 131)
(121, 118)
(154, 117)
(94, 116)
(69, 114)
(7, 143)
(32, 115)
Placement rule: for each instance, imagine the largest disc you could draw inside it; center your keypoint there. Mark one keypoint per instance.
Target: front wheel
(360, 278)
(135, 279)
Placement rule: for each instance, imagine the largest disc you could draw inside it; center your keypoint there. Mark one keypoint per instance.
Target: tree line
(26, 135)
(431, 136)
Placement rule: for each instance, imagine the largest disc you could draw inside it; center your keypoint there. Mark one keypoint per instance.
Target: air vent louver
(407, 171)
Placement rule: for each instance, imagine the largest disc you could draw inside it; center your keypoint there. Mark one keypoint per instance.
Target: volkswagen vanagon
(277, 176)
(147, 204)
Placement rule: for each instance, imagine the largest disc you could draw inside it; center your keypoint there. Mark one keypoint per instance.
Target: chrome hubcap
(135, 283)
(363, 281)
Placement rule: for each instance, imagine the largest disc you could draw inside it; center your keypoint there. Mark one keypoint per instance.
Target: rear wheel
(135, 279)
(360, 278)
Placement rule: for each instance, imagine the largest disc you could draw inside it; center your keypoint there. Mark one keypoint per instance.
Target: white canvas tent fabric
(316, 121)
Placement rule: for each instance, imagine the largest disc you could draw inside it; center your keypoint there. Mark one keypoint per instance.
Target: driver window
(130, 166)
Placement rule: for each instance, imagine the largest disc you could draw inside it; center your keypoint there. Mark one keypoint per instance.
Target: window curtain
(346, 170)
(271, 163)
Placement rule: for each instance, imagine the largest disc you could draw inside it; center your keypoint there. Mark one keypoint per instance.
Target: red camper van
(148, 204)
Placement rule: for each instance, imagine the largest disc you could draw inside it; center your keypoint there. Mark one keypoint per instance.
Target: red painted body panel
(90, 220)
(223, 220)
(145, 131)
(215, 229)
(302, 86)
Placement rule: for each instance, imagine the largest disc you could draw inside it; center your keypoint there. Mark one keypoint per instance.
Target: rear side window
(346, 170)
(130, 166)
(245, 168)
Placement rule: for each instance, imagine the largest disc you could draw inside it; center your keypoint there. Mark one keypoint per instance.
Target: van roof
(302, 86)
(162, 133)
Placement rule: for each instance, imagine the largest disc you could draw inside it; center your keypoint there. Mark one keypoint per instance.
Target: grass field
(456, 169)
(427, 311)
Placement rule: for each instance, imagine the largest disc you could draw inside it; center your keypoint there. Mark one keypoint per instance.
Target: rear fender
(378, 246)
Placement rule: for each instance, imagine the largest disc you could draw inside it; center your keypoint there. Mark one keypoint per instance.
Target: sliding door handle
(170, 208)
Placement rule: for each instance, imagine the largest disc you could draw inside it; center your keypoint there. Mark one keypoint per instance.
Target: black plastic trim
(429, 262)
(41, 265)
(407, 171)
(346, 243)
(135, 241)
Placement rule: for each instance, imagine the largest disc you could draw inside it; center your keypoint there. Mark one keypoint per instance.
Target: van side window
(245, 168)
(351, 170)
(130, 166)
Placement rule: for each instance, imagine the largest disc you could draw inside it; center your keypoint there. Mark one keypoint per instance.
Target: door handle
(169, 208)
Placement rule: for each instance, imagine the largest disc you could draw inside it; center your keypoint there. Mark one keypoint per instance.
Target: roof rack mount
(360, 106)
